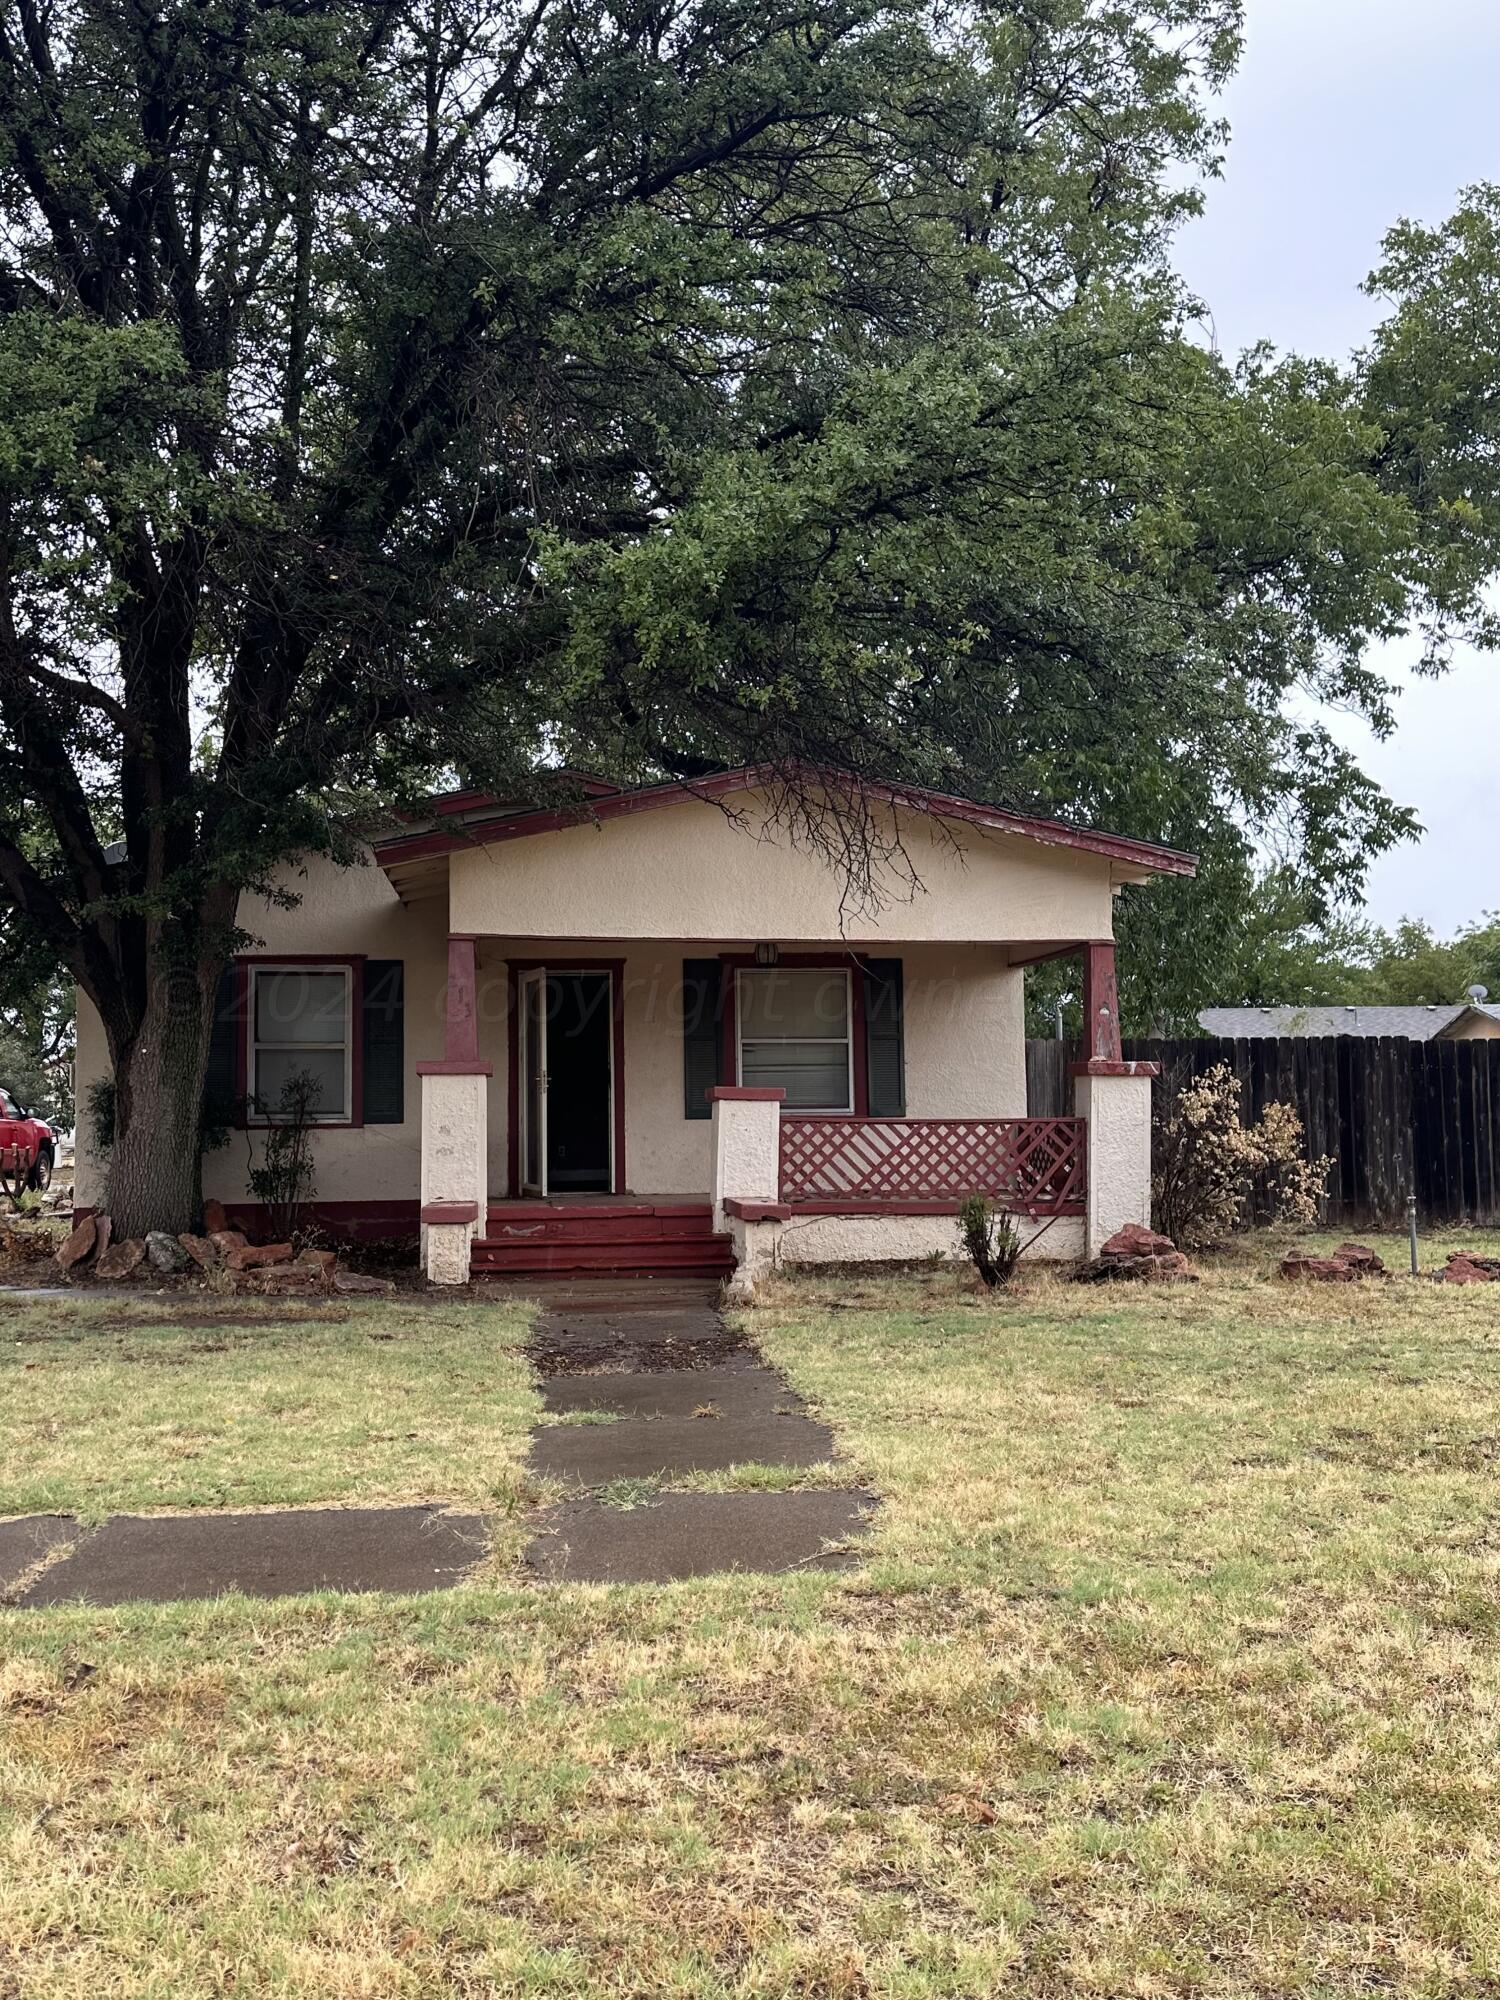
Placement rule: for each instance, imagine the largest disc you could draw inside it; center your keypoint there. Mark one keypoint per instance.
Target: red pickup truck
(26, 1143)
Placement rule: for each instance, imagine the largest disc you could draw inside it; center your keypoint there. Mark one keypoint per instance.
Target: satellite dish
(1479, 994)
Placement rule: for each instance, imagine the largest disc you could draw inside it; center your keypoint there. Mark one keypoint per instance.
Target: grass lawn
(111, 1405)
(1173, 1670)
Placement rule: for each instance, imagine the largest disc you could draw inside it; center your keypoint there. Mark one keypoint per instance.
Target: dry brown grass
(1173, 1671)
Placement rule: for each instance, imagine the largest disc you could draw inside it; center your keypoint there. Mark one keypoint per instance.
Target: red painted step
(635, 1237)
(708, 1257)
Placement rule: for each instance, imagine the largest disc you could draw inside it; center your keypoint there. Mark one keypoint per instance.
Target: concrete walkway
(684, 1394)
(676, 1392)
(161, 1558)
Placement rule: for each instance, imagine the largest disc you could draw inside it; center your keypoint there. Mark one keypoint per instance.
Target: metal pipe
(1411, 1230)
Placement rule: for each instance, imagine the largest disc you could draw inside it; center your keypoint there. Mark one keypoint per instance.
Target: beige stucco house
(654, 1032)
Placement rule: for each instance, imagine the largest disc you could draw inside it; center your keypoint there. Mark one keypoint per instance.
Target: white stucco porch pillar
(745, 1178)
(455, 1174)
(745, 1147)
(1115, 1099)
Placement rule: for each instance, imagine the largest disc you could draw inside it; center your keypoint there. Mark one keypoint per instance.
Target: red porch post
(461, 1029)
(1101, 1004)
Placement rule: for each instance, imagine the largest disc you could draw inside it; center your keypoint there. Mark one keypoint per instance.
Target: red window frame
(734, 962)
(354, 964)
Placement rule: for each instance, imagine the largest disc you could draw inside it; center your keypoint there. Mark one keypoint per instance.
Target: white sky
(1345, 115)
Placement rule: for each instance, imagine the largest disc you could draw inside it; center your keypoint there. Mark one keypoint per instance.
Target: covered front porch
(679, 1110)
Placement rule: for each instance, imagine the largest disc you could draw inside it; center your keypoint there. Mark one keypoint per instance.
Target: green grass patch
(110, 1406)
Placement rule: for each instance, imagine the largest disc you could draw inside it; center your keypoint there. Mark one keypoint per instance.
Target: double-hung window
(301, 1027)
(795, 1027)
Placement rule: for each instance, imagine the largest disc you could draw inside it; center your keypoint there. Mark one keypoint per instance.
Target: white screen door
(533, 996)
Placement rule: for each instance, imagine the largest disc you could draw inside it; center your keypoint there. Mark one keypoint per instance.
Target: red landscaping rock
(1348, 1264)
(1170, 1266)
(1362, 1258)
(1326, 1270)
(121, 1259)
(79, 1245)
(1135, 1240)
(1464, 1269)
(1139, 1255)
(357, 1282)
(281, 1278)
(106, 1231)
(321, 1261)
(251, 1256)
(214, 1218)
(225, 1240)
(203, 1251)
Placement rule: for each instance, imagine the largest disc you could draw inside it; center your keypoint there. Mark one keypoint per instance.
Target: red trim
(352, 962)
(812, 961)
(444, 1212)
(1032, 1213)
(353, 1221)
(925, 1166)
(944, 805)
(461, 1008)
(514, 967)
(1101, 1002)
(1097, 1068)
(455, 1069)
(756, 1211)
(734, 1093)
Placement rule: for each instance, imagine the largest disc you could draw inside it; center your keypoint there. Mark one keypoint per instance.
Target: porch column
(745, 1178)
(455, 1172)
(1114, 1096)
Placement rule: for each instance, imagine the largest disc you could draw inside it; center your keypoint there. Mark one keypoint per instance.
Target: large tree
(469, 386)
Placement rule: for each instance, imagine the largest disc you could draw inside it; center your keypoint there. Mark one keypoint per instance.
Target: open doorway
(567, 1082)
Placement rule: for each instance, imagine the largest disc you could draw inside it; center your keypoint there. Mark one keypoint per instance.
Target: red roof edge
(607, 804)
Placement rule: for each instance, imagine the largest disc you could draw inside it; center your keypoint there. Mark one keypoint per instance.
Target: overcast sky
(1347, 114)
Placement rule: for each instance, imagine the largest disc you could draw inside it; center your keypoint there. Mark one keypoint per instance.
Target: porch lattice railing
(1034, 1166)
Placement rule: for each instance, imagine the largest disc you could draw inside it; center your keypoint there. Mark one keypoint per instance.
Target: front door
(533, 1008)
(566, 1051)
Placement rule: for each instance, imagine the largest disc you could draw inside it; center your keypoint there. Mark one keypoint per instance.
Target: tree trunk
(155, 1178)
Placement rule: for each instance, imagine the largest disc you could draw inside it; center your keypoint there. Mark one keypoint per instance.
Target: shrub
(991, 1239)
(1212, 1174)
(285, 1178)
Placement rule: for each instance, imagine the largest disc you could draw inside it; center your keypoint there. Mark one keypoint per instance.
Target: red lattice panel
(1031, 1165)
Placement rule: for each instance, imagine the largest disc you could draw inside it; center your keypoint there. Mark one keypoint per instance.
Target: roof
(472, 819)
(1413, 1024)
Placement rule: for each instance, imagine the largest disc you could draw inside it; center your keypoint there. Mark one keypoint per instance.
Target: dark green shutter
(702, 984)
(221, 1082)
(885, 1051)
(384, 1011)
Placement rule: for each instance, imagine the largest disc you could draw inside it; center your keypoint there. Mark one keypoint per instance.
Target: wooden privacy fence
(1398, 1117)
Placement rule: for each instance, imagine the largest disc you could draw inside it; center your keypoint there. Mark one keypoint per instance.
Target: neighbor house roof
(470, 819)
(1414, 1024)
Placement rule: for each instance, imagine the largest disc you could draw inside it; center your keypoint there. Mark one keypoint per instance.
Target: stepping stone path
(683, 1394)
(686, 1394)
(160, 1558)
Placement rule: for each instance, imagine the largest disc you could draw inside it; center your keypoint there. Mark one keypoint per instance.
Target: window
(794, 1035)
(300, 1025)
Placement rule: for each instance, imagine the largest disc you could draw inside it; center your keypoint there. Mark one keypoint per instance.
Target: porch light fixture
(766, 954)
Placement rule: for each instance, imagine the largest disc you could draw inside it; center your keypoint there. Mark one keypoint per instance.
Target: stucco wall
(692, 869)
(343, 912)
(965, 1046)
(862, 1239)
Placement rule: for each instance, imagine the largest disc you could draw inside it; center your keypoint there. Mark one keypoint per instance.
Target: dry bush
(1212, 1174)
